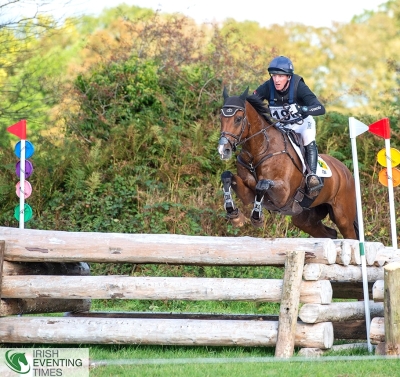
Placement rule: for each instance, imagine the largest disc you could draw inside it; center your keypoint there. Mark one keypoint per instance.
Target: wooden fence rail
(48, 270)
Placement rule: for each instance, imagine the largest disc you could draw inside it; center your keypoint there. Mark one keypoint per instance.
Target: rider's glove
(298, 111)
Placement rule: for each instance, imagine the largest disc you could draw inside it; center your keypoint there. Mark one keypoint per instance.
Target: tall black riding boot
(314, 183)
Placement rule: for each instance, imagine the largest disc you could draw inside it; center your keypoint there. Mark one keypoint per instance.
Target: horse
(271, 171)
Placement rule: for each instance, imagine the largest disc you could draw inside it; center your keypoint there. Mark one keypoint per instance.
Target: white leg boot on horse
(314, 183)
(232, 212)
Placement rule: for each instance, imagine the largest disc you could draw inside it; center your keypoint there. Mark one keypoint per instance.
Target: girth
(299, 201)
(252, 168)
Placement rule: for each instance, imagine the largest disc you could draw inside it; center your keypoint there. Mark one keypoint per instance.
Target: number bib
(288, 112)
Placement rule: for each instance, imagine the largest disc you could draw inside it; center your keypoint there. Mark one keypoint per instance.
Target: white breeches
(307, 129)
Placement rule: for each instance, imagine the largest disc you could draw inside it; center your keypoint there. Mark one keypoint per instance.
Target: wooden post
(289, 307)
(392, 308)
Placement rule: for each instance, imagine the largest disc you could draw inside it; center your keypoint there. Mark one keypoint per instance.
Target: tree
(26, 67)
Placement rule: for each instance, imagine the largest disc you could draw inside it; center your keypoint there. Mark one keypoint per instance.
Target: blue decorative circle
(29, 149)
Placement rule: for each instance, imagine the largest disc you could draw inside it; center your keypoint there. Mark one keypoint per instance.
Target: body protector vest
(279, 105)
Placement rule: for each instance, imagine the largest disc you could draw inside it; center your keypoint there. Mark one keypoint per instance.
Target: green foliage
(126, 133)
(115, 96)
(127, 128)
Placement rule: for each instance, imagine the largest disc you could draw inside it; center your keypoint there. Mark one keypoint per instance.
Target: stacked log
(62, 247)
(338, 311)
(338, 273)
(348, 318)
(57, 246)
(47, 271)
(160, 288)
(55, 330)
(23, 271)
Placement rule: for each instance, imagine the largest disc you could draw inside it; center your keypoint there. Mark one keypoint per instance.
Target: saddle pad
(323, 170)
(297, 149)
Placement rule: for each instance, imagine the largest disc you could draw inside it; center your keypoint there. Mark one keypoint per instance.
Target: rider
(290, 98)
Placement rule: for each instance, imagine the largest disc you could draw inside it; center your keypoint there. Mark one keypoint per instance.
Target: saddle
(302, 198)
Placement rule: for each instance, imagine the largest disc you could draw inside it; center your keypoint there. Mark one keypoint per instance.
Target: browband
(230, 110)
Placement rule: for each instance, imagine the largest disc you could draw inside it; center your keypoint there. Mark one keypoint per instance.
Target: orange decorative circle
(383, 177)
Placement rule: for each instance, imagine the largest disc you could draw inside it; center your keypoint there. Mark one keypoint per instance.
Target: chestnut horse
(271, 173)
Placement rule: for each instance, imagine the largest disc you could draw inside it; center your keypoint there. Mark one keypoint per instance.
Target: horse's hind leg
(232, 212)
(310, 222)
(345, 219)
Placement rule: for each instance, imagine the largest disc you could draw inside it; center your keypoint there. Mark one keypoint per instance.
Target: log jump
(48, 271)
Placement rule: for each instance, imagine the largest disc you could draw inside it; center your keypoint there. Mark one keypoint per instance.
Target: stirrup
(317, 185)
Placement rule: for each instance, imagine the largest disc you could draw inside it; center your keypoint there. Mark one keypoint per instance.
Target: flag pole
(19, 129)
(356, 128)
(22, 186)
(381, 128)
(391, 196)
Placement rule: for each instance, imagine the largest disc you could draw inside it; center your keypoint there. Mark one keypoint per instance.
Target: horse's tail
(356, 229)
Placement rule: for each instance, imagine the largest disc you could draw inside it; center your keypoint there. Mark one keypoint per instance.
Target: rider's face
(280, 81)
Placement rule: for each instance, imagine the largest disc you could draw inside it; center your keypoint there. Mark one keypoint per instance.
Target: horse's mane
(260, 107)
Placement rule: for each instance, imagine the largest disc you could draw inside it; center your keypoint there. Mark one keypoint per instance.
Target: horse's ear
(225, 93)
(244, 94)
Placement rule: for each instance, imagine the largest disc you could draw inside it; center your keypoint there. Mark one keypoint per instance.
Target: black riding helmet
(281, 66)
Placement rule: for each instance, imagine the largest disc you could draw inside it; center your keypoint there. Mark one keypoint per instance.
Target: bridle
(228, 111)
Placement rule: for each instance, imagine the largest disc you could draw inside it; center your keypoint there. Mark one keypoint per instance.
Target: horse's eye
(238, 119)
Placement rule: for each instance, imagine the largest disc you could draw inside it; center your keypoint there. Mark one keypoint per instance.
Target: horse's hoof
(257, 223)
(239, 220)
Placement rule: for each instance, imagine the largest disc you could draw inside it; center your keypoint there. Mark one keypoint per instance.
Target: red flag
(18, 129)
(381, 128)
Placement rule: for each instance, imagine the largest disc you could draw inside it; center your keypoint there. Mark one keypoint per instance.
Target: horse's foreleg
(226, 178)
(232, 212)
(257, 217)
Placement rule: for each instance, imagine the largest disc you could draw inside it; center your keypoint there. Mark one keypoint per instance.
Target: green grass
(202, 361)
(176, 361)
(179, 306)
(337, 368)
